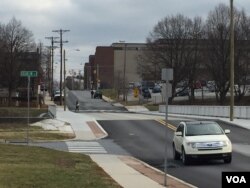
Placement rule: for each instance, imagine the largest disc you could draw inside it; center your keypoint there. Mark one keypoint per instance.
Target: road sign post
(167, 75)
(28, 109)
(28, 74)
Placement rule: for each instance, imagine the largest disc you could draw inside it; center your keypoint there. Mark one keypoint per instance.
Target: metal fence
(242, 112)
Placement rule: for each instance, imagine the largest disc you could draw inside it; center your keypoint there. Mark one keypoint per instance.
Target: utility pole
(61, 31)
(124, 72)
(52, 63)
(97, 77)
(231, 61)
(64, 83)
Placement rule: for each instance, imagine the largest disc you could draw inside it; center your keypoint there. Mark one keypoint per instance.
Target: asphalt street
(145, 141)
(88, 104)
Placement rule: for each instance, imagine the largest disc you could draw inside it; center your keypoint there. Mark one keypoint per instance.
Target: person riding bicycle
(77, 105)
(92, 94)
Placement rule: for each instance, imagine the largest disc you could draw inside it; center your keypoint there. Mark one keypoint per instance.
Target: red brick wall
(104, 58)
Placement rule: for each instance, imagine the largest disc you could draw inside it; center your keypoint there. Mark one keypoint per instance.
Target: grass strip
(24, 166)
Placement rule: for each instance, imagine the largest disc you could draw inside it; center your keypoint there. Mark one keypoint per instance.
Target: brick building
(120, 63)
(109, 63)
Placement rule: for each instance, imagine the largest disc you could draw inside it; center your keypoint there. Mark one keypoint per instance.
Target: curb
(175, 182)
(100, 127)
(97, 129)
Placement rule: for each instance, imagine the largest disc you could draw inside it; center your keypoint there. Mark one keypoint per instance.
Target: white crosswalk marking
(85, 147)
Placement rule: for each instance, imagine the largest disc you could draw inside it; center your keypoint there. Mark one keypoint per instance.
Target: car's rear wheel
(176, 155)
(228, 160)
(184, 158)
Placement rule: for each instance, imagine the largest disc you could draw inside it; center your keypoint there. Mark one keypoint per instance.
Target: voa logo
(241, 179)
(236, 179)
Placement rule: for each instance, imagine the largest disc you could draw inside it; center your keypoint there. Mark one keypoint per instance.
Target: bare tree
(218, 52)
(16, 39)
(217, 28)
(173, 44)
(242, 53)
(194, 55)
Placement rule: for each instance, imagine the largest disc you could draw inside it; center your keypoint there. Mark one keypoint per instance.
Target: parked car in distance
(57, 92)
(197, 85)
(156, 89)
(98, 94)
(203, 83)
(211, 86)
(148, 84)
(201, 140)
(131, 85)
(57, 97)
(146, 93)
(182, 91)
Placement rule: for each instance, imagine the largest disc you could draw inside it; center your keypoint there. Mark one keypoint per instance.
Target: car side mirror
(227, 131)
(178, 133)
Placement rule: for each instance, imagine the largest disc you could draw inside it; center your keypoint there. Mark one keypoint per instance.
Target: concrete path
(77, 122)
(125, 175)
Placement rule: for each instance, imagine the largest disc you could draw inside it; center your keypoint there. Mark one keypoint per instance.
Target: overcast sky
(100, 22)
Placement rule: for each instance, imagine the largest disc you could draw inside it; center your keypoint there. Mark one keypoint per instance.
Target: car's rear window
(203, 129)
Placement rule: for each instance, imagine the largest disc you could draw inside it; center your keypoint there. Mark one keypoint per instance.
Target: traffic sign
(167, 74)
(136, 92)
(28, 73)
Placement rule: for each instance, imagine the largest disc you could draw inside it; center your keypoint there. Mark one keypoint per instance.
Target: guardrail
(241, 112)
(52, 110)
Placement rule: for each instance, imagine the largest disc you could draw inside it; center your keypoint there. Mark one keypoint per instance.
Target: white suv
(201, 140)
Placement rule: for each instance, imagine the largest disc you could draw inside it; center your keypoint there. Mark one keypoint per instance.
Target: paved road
(89, 104)
(144, 139)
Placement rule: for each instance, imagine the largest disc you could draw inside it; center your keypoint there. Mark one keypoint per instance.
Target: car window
(180, 128)
(203, 129)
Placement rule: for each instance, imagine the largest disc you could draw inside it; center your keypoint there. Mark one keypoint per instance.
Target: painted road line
(161, 121)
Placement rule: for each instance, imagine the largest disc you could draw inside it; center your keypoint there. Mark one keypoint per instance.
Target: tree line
(16, 42)
(200, 50)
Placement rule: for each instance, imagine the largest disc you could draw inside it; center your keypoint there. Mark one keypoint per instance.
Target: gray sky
(100, 22)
